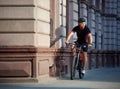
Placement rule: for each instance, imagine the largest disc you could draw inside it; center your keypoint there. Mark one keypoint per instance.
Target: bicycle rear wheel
(73, 67)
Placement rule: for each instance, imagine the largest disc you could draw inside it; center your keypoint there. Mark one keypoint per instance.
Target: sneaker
(83, 71)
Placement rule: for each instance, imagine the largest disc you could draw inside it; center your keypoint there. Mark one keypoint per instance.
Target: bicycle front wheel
(80, 69)
(73, 67)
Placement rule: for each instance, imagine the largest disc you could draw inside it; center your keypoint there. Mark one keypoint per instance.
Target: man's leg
(84, 61)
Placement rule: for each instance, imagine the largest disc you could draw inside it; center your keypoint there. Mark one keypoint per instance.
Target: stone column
(110, 15)
(83, 10)
(92, 23)
(73, 16)
(118, 25)
(98, 31)
(24, 40)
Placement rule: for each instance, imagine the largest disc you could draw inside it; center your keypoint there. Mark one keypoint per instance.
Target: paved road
(103, 78)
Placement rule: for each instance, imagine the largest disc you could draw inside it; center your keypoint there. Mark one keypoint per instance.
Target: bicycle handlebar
(70, 44)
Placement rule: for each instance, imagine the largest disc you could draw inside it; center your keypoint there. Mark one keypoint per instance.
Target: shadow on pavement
(7, 86)
(100, 75)
(104, 78)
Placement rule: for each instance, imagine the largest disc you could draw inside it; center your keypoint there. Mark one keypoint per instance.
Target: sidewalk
(103, 78)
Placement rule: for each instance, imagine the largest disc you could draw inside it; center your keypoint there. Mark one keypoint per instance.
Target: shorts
(83, 45)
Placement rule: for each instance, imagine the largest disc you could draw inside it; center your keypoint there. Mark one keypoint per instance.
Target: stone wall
(25, 22)
(24, 35)
(33, 34)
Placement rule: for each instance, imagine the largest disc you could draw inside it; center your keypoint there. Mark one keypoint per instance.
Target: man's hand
(66, 42)
(89, 45)
(69, 37)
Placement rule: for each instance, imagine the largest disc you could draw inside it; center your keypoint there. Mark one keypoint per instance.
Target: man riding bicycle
(84, 38)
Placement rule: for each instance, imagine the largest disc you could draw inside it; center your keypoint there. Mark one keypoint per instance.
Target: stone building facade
(33, 33)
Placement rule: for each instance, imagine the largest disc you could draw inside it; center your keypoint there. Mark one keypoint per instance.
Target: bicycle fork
(77, 62)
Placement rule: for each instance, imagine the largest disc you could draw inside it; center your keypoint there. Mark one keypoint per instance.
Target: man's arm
(90, 38)
(69, 37)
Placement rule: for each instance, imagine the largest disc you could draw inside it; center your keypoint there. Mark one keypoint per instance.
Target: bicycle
(77, 62)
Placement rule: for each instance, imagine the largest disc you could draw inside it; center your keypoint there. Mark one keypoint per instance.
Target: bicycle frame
(76, 62)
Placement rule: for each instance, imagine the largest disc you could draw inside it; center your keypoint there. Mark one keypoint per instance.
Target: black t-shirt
(82, 34)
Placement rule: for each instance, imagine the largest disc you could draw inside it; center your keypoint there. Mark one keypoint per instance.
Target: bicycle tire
(80, 69)
(73, 67)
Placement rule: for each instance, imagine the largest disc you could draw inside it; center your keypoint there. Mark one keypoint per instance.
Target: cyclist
(84, 38)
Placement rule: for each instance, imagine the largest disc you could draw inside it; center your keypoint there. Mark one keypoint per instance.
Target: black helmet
(80, 20)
